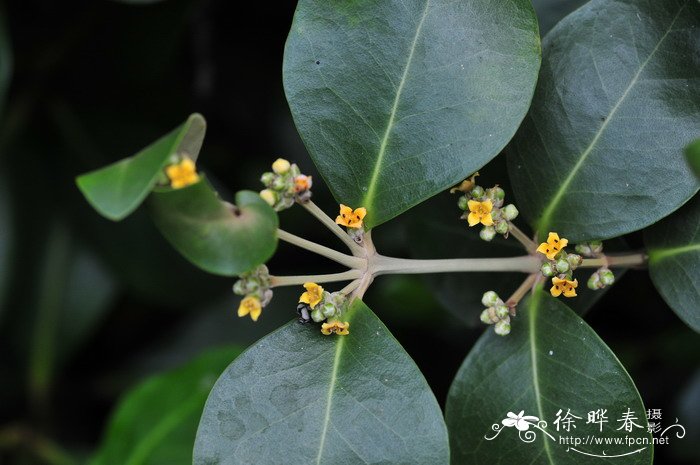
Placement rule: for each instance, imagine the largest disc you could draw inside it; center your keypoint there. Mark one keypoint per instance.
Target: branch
(343, 259)
(529, 244)
(616, 261)
(390, 265)
(277, 281)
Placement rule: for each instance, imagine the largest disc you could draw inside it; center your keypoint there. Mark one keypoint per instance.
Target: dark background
(88, 308)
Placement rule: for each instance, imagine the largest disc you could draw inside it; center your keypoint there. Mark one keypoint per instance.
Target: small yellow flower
(302, 183)
(552, 246)
(565, 286)
(337, 327)
(281, 166)
(182, 174)
(350, 218)
(313, 294)
(467, 185)
(250, 305)
(480, 212)
(269, 196)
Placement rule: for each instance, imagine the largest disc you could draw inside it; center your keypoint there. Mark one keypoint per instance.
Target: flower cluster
(255, 287)
(603, 276)
(559, 265)
(318, 305)
(485, 206)
(181, 172)
(497, 313)
(285, 185)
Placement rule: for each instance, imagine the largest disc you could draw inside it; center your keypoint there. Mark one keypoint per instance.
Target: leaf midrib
(368, 201)
(329, 396)
(656, 255)
(545, 219)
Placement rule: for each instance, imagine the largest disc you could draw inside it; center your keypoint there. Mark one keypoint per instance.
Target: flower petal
(473, 219)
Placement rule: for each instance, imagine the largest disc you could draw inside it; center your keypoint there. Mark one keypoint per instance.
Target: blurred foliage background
(90, 308)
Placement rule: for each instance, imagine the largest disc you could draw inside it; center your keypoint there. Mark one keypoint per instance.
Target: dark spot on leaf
(318, 62)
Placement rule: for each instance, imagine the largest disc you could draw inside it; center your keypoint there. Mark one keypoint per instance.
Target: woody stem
(529, 244)
(638, 259)
(343, 259)
(277, 281)
(330, 224)
(522, 290)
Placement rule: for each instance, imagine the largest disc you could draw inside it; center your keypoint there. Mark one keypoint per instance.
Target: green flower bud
(596, 247)
(583, 249)
(490, 299)
(574, 260)
(502, 328)
(498, 193)
(502, 227)
(563, 265)
(252, 286)
(487, 233)
(328, 310)
(267, 178)
(510, 212)
(477, 192)
(606, 276)
(502, 311)
(317, 315)
(294, 171)
(594, 282)
(239, 287)
(486, 317)
(463, 203)
(279, 183)
(547, 269)
(269, 196)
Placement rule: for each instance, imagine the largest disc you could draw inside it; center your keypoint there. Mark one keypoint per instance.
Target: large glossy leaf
(397, 100)
(674, 261)
(692, 155)
(218, 237)
(298, 397)
(600, 153)
(155, 423)
(550, 12)
(551, 360)
(118, 189)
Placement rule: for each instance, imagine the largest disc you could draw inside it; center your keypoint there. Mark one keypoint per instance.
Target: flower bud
(502, 311)
(269, 196)
(574, 260)
(502, 328)
(606, 276)
(477, 192)
(317, 315)
(487, 233)
(267, 178)
(239, 287)
(279, 184)
(328, 310)
(594, 282)
(490, 299)
(251, 286)
(596, 247)
(510, 212)
(502, 227)
(547, 269)
(281, 166)
(489, 317)
(266, 297)
(463, 203)
(563, 265)
(496, 194)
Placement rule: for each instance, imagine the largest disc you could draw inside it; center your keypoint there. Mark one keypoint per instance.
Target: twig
(330, 224)
(343, 259)
(277, 281)
(529, 244)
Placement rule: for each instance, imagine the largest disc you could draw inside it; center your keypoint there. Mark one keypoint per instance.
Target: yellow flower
(281, 166)
(552, 246)
(313, 294)
(480, 212)
(337, 327)
(182, 174)
(350, 218)
(566, 286)
(250, 305)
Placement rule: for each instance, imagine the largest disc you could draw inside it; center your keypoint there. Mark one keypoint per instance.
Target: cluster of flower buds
(590, 249)
(285, 185)
(255, 287)
(601, 278)
(485, 206)
(559, 265)
(497, 313)
(562, 264)
(319, 305)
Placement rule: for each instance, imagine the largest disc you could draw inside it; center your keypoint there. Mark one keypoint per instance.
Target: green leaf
(550, 12)
(118, 189)
(674, 261)
(156, 422)
(217, 237)
(397, 100)
(692, 155)
(600, 153)
(298, 397)
(551, 360)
